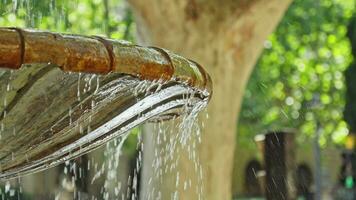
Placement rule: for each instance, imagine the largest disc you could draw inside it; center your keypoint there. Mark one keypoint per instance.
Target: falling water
(176, 143)
(86, 95)
(105, 167)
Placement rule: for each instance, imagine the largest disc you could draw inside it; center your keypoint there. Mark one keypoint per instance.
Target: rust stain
(169, 69)
(154, 71)
(109, 48)
(21, 46)
(11, 49)
(97, 55)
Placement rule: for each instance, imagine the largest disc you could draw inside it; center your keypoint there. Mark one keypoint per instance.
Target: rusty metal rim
(94, 54)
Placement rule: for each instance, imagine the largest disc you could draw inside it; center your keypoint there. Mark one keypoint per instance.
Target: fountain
(50, 115)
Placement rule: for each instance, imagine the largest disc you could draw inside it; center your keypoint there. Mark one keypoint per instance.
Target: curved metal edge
(93, 54)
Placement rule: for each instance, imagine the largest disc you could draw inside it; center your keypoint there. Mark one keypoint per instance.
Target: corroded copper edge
(207, 79)
(110, 50)
(10, 48)
(82, 54)
(167, 57)
(22, 45)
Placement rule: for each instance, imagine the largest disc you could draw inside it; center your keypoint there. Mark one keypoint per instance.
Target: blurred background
(282, 122)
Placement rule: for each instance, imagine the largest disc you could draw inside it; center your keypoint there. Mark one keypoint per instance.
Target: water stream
(73, 130)
(78, 113)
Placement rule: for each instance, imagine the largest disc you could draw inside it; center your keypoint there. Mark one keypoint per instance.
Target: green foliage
(90, 17)
(298, 81)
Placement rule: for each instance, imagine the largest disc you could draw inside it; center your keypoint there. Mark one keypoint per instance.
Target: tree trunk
(226, 37)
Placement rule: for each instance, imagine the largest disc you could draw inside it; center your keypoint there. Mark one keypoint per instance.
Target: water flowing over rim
(150, 107)
(175, 86)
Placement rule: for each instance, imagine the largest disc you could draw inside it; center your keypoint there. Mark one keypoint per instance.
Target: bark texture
(226, 37)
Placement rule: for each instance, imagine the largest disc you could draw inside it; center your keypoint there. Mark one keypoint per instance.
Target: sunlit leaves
(88, 17)
(298, 80)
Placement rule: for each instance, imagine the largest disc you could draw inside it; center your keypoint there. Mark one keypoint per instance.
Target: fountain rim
(95, 54)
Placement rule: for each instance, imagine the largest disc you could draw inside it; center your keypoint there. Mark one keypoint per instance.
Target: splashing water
(175, 144)
(85, 97)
